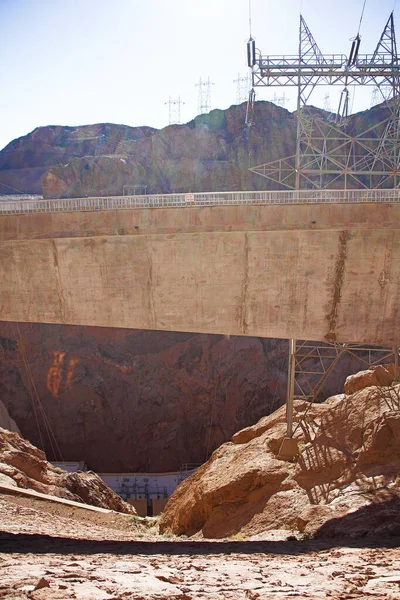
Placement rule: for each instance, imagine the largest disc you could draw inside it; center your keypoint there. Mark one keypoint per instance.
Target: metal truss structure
(204, 96)
(328, 152)
(315, 362)
(174, 110)
(243, 84)
(312, 363)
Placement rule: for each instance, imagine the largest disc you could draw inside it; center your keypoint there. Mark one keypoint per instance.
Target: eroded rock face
(25, 466)
(127, 401)
(349, 462)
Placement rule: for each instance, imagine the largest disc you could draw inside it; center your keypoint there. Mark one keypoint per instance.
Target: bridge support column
(288, 449)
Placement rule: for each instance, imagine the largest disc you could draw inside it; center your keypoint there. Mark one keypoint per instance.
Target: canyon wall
(127, 400)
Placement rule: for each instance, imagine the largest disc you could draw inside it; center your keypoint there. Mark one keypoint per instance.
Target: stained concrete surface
(321, 272)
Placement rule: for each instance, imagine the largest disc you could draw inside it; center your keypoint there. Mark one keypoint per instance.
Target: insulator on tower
(251, 53)
(355, 46)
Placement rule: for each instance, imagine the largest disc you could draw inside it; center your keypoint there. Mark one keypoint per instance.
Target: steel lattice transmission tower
(243, 84)
(174, 111)
(328, 154)
(204, 96)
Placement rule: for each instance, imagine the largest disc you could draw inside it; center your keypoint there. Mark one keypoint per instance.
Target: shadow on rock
(378, 518)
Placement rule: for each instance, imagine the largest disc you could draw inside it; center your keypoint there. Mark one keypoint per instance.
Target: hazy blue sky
(74, 62)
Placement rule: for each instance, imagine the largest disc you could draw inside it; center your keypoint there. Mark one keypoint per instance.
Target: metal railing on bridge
(200, 199)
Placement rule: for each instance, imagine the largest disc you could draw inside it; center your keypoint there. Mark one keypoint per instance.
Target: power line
(361, 18)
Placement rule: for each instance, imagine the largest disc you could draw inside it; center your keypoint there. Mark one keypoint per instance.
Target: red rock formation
(25, 466)
(349, 462)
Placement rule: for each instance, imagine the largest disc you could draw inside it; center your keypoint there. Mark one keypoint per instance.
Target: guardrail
(200, 199)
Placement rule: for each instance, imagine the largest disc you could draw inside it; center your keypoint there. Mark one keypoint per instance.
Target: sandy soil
(50, 551)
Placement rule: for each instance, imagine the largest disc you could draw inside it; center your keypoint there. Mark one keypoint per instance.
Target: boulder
(381, 375)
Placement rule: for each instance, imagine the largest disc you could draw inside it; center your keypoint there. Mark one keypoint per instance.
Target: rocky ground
(49, 551)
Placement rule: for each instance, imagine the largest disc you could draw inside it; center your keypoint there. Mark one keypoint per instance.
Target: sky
(77, 62)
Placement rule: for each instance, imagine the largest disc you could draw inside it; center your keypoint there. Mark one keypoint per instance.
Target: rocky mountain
(25, 161)
(212, 152)
(22, 465)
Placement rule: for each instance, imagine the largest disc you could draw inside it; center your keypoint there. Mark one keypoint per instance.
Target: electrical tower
(242, 88)
(279, 100)
(204, 96)
(329, 154)
(174, 111)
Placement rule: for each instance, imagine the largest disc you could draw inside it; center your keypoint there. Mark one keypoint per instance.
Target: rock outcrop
(348, 466)
(25, 466)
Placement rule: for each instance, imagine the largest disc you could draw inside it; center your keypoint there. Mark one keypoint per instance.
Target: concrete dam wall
(319, 272)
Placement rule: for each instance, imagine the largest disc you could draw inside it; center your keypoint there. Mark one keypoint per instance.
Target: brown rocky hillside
(210, 153)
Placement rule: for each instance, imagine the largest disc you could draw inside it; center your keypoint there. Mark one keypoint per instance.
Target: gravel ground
(51, 551)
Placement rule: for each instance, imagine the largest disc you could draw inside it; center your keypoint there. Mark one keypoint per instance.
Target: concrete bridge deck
(319, 265)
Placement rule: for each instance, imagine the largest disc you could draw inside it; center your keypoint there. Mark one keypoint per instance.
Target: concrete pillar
(289, 448)
(290, 388)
